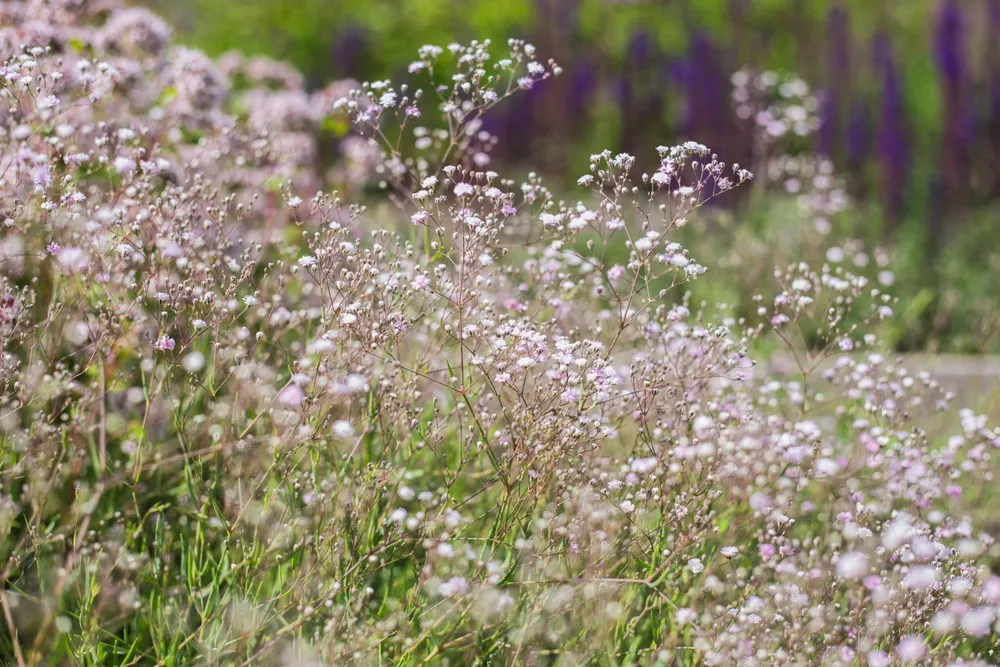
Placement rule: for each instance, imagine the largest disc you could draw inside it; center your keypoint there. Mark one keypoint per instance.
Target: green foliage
(306, 31)
(305, 34)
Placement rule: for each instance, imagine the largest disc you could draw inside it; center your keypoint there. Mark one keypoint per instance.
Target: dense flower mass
(461, 420)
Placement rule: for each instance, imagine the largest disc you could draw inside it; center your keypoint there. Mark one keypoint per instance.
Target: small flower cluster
(245, 420)
(779, 105)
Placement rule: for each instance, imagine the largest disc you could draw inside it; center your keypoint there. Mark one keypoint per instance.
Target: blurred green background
(909, 96)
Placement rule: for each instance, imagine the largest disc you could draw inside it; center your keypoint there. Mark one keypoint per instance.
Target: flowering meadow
(272, 399)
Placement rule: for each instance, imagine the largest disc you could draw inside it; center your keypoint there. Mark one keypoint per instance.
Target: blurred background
(906, 107)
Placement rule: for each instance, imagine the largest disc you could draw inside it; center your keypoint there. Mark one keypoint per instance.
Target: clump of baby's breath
(248, 419)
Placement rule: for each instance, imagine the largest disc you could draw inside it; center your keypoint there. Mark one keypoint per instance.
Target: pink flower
(292, 395)
(878, 659)
(514, 304)
(165, 343)
(991, 590)
(872, 582)
(911, 649)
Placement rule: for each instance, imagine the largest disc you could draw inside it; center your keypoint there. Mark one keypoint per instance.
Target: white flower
(644, 466)
(454, 586)
(826, 468)
(703, 425)
(943, 622)
(307, 261)
(463, 189)
(911, 649)
(485, 259)
(852, 565)
(686, 616)
(696, 566)
(292, 395)
(977, 622)
(878, 659)
(356, 383)
(920, 578)
(124, 165)
(193, 362)
(343, 429)
(677, 259)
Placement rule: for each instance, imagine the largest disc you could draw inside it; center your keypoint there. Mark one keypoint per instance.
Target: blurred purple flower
(350, 51)
(858, 134)
(949, 44)
(891, 138)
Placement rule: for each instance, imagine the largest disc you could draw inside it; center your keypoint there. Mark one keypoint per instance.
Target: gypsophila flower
(292, 395)
(852, 565)
(878, 659)
(124, 165)
(685, 616)
(233, 368)
(193, 362)
(911, 649)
